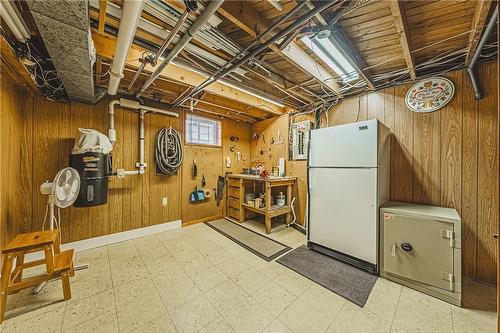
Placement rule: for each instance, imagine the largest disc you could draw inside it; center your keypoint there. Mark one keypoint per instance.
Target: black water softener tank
(94, 169)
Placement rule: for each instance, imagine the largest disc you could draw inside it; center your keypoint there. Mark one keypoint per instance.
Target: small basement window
(203, 131)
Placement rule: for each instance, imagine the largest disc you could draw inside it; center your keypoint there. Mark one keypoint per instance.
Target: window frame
(188, 137)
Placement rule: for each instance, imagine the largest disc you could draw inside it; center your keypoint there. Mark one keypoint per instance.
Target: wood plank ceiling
(387, 42)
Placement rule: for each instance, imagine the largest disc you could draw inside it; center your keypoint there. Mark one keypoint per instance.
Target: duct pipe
(141, 165)
(276, 4)
(15, 25)
(207, 13)
(131, 15)
(142, 110)
(478, 93)
(111, 126)
(162, 49)
(258, 49)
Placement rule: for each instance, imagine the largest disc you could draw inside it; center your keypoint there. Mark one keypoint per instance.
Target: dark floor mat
(258, 244)
(345, 280)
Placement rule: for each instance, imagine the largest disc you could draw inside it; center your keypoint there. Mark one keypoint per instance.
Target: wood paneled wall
(37, 136)
(15, 178)
(446, 158)
(211, 162)
(134, 201)
(267, 130)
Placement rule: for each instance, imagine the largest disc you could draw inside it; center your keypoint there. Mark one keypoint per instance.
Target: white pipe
(12, 20)
(142, 109)
(133, 172)
(159, 111)
(131, 15)
(141, 165)
(20, 25)
(276, 4)
(111, 127)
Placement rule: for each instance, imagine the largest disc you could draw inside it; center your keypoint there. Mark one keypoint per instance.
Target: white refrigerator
(349, 179)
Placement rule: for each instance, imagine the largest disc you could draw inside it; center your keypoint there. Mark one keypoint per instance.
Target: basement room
(300, 166)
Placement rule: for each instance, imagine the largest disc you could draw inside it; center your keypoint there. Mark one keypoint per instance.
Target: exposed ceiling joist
(235, 106)
(105, 46)
(15, 67)
(102, 16)
(399, 15)
(480, 18)
(216, 111)
(246, 17)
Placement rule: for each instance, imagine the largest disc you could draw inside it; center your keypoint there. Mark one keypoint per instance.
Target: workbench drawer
(234, 203)
(234, 192)
(233, 212)
(233, 182)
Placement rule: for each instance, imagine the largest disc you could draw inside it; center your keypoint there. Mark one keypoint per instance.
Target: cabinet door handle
(495, 236)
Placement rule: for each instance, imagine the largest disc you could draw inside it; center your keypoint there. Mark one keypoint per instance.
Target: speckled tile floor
(196, 280)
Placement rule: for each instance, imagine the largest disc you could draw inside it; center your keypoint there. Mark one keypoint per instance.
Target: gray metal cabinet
(420, 248)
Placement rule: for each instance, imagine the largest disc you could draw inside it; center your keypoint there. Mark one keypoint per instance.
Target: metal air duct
(65, 29)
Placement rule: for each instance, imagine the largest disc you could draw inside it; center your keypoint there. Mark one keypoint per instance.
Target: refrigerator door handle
(310, 182)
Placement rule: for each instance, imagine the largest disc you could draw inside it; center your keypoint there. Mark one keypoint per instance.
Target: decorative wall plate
(430, 94)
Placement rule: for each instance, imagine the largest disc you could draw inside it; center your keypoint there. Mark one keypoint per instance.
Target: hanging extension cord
(293, 212)
(169, 151)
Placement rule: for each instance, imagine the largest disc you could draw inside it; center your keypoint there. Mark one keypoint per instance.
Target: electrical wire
(45, 217)
(169, 151)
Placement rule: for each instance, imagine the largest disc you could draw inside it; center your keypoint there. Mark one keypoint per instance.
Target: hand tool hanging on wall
(220, 190)
(194, 169)
(203, 180)
(197, 195)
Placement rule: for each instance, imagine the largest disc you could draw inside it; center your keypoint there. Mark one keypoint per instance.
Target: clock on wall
(430, 94)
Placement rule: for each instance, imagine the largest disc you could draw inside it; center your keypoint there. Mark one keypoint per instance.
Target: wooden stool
(59, 264)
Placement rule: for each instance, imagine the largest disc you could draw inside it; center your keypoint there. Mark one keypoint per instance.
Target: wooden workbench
(235, 195)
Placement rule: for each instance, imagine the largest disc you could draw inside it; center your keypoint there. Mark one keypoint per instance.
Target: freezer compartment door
(419, 249)
(343, 211)
(351, 145)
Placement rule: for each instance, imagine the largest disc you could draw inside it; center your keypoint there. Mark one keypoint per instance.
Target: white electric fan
(61, 193)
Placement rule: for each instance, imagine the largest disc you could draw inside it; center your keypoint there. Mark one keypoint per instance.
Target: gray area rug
(258, 244)
(345, 280)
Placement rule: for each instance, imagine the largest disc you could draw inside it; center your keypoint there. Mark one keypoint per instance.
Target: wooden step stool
(59, 264)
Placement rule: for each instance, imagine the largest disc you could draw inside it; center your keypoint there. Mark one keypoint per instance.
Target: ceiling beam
(213, 110)
(235, 106)
(105, 46)
(399, 15)
(161, 87)
(480, 17)
(15, 68)
(102, 16)
(249, 19)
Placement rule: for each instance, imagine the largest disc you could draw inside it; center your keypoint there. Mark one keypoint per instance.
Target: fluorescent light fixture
(229, 84)
(327, 52)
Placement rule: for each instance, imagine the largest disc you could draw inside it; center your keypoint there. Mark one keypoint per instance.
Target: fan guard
(66, 186)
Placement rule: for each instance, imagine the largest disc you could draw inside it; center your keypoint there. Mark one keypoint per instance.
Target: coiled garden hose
(169, 151)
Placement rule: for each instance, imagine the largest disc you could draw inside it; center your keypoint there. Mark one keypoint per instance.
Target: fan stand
(50, 202)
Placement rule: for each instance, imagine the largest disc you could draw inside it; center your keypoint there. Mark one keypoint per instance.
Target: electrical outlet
(164, 201)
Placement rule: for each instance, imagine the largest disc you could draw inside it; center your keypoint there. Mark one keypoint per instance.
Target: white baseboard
(91, 243)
